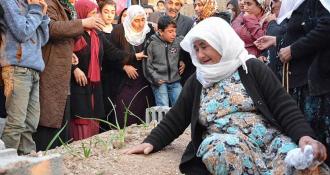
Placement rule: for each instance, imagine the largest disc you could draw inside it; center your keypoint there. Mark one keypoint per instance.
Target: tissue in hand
(300, 159)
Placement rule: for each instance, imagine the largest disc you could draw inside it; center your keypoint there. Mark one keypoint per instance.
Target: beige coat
(57, 54)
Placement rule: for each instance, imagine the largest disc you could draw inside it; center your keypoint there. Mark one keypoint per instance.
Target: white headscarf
(288, 6)
(326, 4)
(133, 37)
(222, 37)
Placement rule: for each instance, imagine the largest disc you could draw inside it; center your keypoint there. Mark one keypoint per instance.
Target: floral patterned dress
(238, 139)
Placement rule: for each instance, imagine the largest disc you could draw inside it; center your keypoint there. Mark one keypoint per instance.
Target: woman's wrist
(74, 67)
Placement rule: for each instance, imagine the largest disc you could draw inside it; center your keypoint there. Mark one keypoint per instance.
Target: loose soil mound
(104, 159)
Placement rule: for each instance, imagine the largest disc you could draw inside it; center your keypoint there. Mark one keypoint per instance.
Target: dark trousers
(44, 135)
(2, 103)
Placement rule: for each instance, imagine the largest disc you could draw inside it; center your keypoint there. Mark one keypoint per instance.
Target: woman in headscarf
(86, 85)
(208, 8)
(127, 87)
(304, 49)
(253, 24)
(242, 121)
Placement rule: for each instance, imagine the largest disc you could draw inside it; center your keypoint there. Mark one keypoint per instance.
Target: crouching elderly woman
(242, 120)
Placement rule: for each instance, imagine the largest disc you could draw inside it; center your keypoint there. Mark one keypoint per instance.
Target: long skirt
(245, 144)
(317, 111)
(132, 101)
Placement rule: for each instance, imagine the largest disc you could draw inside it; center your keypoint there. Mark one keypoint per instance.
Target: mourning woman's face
(138, 23)
(205, 53)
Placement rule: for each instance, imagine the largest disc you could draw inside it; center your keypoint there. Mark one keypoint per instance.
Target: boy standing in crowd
(161, 66)
(27, 31)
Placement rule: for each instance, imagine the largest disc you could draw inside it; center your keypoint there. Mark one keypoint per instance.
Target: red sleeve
(253, 26)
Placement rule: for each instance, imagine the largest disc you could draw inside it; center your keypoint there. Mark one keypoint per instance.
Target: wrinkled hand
(265, 42)
(140, 56)
(44, 6)
(93, 23)
(143, 148)
(74, 59)
(80, 77)
(182, 66)
(319, 150)
(285, 54)
(131, 72)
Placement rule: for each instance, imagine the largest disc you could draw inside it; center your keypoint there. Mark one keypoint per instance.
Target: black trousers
(44, 135)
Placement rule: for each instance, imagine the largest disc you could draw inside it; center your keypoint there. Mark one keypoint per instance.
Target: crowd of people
(252, 81)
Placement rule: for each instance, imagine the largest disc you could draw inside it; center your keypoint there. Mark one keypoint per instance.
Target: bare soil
(104, 159)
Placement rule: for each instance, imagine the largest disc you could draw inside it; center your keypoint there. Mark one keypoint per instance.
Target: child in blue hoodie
(26, 32)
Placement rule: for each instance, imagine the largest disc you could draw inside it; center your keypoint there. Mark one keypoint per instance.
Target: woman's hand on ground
(319, 150)
(131, 72)
(143, 148)
(80, 77)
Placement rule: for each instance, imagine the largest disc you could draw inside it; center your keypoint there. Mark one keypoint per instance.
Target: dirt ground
(105, 160)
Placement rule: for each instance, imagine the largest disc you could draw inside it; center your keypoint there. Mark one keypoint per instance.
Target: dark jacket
(275, 64)
(163, 59)
(308, 34)
(114, 69)
(269, 97)
(81, 103)
(183, 23)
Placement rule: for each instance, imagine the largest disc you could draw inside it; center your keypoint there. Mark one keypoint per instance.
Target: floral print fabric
(238, 140)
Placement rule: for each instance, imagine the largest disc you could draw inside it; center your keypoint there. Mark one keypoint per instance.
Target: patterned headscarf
(69, 8)
(209, 8)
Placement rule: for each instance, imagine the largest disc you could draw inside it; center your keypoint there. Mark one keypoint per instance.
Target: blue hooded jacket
(27, 31)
